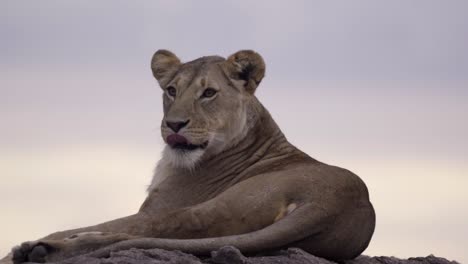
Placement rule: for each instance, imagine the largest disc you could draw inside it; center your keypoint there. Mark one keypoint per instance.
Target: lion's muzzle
(177, 141)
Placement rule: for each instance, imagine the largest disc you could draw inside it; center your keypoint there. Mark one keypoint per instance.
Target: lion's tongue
(176, 139)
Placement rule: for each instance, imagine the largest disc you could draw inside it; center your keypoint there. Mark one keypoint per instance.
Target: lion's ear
(247, 66)
(164, 65)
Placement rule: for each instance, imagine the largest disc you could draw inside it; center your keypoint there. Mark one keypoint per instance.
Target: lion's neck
(263, 140)
(264, 148)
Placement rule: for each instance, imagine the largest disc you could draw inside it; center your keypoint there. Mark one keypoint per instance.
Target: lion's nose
(176, 126)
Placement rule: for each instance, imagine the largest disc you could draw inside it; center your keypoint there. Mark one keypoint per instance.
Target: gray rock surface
(231, 255)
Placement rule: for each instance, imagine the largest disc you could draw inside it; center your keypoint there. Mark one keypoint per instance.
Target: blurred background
(377, 87)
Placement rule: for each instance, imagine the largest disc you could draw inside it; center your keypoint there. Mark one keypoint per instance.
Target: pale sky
(377, 87)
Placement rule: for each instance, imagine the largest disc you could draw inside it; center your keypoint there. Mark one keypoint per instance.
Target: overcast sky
(377, 87)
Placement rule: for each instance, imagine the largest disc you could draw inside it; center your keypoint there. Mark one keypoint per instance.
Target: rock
(228, 255)
(231, 255)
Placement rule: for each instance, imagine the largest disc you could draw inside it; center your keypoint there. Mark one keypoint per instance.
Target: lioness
(227, 176)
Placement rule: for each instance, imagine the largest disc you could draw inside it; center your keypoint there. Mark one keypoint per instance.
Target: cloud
(401, 40)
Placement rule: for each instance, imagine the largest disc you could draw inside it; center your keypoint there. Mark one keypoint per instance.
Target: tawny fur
(243, 185)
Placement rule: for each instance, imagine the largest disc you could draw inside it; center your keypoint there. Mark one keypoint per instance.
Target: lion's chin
(183, 157)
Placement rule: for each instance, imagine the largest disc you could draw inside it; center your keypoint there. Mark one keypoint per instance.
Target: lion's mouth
(177, 141)
(185, 146)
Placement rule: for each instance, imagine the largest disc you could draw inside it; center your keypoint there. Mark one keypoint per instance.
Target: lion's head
(209, 103)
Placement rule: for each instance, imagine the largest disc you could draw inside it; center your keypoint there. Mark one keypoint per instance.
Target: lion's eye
(171, 91)
(209, 92)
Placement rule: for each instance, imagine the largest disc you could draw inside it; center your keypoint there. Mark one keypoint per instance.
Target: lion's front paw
(42, 251)
(34, 251)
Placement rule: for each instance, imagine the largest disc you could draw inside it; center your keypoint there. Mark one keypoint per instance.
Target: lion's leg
(128, 225)
(244, 208)
(54, 250)
(77, 241)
